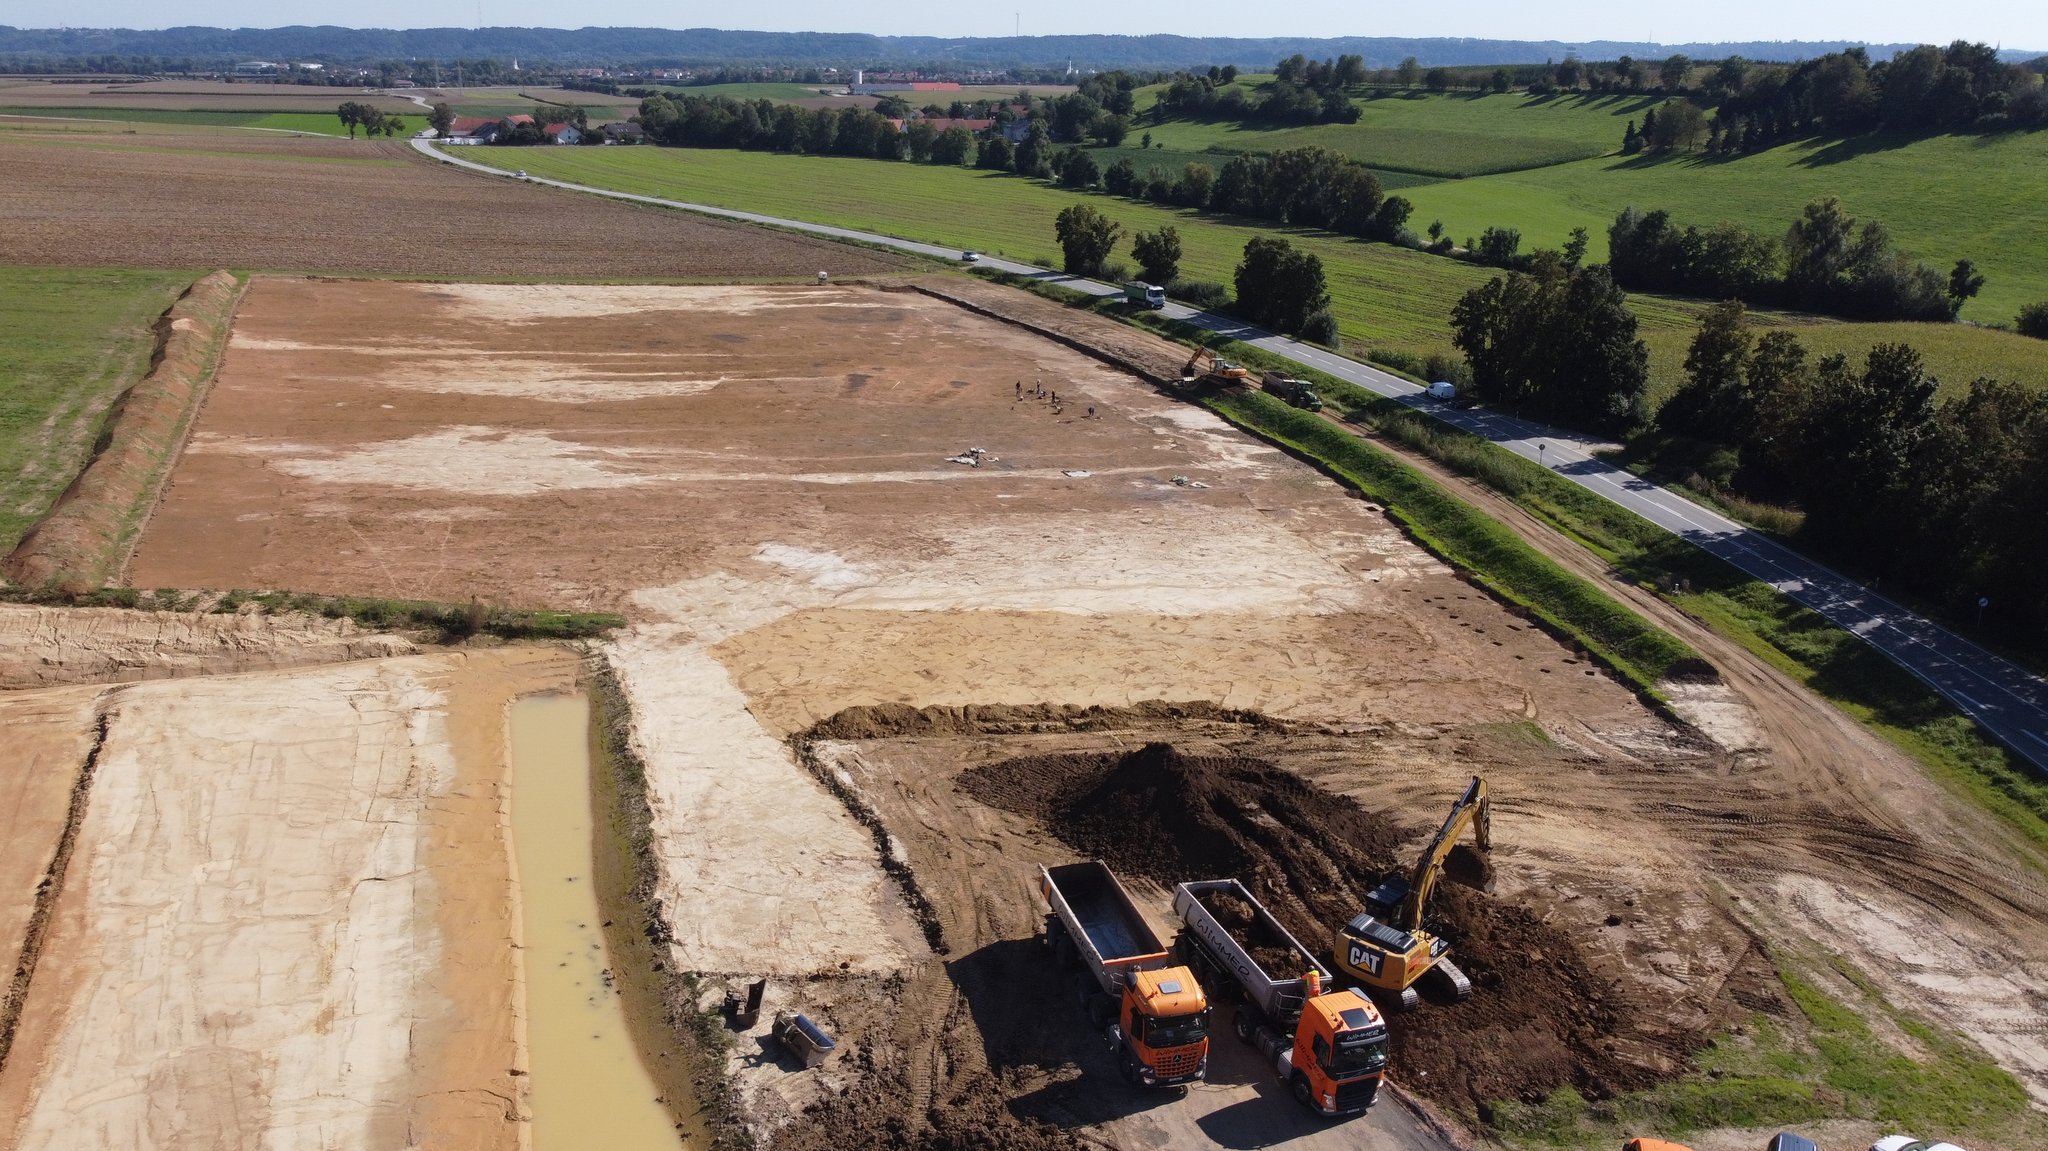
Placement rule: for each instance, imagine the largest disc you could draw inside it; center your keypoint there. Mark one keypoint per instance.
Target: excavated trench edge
(86, 538)
(920, 905)
(48, 891)
(661, 1002)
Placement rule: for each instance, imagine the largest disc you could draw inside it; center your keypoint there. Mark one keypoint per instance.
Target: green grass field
(1381, 294)
(71, 339)
(319, 123)
(1955, 353)
(1465, 134)
(1943, 199)
(1384, 297)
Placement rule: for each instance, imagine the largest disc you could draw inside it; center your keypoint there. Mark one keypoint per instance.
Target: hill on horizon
(703, 46)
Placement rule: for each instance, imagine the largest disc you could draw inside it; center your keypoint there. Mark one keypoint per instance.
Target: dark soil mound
(1537, 1019)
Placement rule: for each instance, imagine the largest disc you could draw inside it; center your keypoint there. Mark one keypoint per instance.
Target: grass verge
(443, 622)
(1495, 558)
(1841, 1053)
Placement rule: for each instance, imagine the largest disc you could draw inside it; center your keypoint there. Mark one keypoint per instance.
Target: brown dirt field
(252, 200)
(1310, 856)
(757, 476)
(194, 95)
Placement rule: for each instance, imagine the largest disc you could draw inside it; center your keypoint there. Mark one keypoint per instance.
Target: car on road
(520, 174)
(969, 256)
(1443, 391)
(1909, 1143)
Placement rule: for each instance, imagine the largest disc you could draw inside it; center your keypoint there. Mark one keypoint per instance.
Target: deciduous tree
(1158, 254)
(1086, 239)
(1279, 286)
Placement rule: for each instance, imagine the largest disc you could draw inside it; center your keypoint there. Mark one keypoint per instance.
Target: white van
(1443, 391)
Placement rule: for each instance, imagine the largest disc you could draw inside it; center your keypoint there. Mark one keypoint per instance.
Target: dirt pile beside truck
(1538, 1018)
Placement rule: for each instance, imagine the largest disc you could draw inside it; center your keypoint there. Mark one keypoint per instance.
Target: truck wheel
(1084, 989)
(1128, 1068)
(1245, 1021)
(1101, 1010)
(1304, 1094)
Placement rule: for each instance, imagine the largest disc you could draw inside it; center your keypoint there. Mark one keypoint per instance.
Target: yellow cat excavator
(1386, 948)
(1206, 367)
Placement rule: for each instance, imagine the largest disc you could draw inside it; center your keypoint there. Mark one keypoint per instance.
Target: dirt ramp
(84, 541)
(1537, 1019)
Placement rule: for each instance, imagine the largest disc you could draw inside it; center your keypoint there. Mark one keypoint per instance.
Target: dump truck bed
(1277, 997)
(1107, 928)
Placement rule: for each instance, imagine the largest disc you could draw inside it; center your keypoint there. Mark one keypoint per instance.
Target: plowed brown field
(180, 198)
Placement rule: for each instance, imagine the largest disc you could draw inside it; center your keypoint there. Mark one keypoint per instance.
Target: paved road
(2008, 701)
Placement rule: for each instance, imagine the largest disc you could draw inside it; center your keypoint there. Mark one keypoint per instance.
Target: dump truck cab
(1339, 1055)
(1163, 1025)
(1155, 1013)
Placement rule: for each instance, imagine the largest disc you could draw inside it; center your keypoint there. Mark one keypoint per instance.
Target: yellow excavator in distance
(1386, 949)
(1206, 367)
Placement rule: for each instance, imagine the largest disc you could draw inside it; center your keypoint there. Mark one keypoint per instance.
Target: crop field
(316, 123)
(70, 340)
(783, 93)
(195, 95)
(1459, 135)
(187, 198)
(1943, 199)
(508, 102)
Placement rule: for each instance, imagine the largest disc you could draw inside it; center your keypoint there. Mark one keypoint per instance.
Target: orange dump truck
(1153, 1011)
(1329, 1048)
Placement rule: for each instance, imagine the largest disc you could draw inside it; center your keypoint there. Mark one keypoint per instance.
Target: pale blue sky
(2013, 23)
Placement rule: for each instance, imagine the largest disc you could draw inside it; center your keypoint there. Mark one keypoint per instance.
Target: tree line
(1277, 285)
(1303, 91)
(1557, 340)
(1948, 497)
(1825, 262)
(372, 120)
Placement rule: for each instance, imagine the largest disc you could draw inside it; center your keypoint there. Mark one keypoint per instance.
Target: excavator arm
(1473, 809)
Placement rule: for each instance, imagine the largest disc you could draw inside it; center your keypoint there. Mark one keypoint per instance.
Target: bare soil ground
(831, 621)
(196, 95)
(249, 200)
(287, 911)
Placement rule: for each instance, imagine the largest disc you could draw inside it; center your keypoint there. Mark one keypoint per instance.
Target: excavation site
(906, 590)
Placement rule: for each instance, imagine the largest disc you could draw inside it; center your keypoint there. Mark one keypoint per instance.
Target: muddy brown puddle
(589, 1087)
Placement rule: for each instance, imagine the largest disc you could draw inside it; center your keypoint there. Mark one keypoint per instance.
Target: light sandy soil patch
(49, 734)
(288, 919)
(44, 646)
